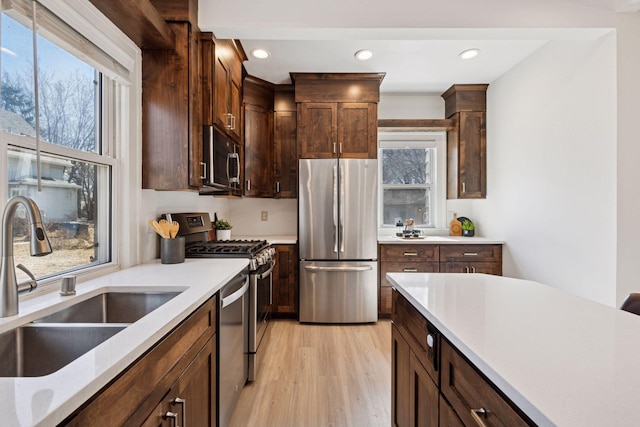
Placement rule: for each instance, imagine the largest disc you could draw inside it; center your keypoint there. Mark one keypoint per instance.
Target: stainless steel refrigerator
(338, 240)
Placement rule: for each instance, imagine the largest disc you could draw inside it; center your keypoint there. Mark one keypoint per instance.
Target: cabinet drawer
(405, 267)
(469, 393)
(409, 253)
(451, 253)
(422, 337)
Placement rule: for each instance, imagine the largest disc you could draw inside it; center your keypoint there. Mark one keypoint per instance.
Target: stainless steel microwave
(220, 163)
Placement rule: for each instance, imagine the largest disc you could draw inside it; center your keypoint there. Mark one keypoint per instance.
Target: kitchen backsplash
(246, 217)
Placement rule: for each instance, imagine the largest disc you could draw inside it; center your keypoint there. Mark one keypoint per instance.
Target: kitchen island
(48, 400)
(560, 359)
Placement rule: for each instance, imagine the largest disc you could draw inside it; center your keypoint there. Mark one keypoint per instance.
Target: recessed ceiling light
(363, 54)
(260, 53)
(469, 53)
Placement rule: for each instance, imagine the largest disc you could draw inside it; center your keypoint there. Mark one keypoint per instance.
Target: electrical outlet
(264, 216)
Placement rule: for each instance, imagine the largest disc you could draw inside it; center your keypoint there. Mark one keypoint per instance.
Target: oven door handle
(268, 272)
(228, 300)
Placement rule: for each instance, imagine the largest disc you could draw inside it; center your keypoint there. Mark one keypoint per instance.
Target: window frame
(120, 132)
(417, 139)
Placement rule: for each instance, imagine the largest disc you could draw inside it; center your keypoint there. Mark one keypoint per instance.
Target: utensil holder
(172, 250)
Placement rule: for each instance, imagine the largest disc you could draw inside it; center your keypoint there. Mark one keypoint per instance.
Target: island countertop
(562, 359)
(49, 399)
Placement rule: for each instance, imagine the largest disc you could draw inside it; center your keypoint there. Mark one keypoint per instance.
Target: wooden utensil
(165, 226)
(173, 230)
(158, 229)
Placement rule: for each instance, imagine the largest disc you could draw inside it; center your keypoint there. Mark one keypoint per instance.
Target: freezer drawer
(338, 291)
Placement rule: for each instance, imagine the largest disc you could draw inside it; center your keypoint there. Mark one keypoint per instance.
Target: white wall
(628, 249)
(155, 203)
(282, 217)
(551, 167)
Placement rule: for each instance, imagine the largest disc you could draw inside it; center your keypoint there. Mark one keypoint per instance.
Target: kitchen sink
(34, 350)
(111, 307)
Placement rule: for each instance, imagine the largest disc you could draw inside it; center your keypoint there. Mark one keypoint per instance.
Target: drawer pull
(410, 270)
(479, 415)
(410, 254)
(173, 416)
(473, 269)
(470, 254)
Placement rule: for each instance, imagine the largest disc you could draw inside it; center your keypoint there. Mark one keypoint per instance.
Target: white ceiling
(415, 42)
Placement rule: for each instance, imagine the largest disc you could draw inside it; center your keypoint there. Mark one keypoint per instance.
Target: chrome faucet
(39, 246)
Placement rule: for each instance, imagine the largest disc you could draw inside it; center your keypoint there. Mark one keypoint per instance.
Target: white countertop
(562, 359)
(440, 240)
(47, 400)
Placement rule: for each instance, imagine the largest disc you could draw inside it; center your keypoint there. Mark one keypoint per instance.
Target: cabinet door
(235, 95)
(357, 130)
(486, 268)
(454, 267)
(400, 375)
(423, 396)
(286, 154)
(208, 63)
(317, 130)
(222, 77)
(171, 130)
(258, 152)
(191, 401)
(285, 280)
(472, 155)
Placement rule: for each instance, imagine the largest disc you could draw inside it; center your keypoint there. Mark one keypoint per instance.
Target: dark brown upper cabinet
(337, 114)
(229, 56)
(285, 143)
(466, 142)
(171, 119)
(258, 138)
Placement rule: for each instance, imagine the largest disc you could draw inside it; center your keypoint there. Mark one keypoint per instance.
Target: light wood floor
(321, 375)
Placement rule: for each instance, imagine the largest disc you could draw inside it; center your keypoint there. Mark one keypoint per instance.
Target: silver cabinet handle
(229, 118)
(410, 270)
(233, 122)
(248, 185)
(466, 269)
(334, 148)
(479, 415)
(470, 253)
(204, 170)
(183, 403)
(278, 187)
(473, 269)
(173, 416)
(341, 148)
(410, 254)
(464, 188)
(359, 268)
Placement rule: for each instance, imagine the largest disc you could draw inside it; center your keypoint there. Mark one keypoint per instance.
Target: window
(76, 117)
(411, 178)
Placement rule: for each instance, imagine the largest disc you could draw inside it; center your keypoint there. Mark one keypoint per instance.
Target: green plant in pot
(223, 229)
(468, 229)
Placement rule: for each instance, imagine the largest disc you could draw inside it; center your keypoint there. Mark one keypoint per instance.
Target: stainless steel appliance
(233, 344)
(220, 163)
(195, 228)
(338, 240)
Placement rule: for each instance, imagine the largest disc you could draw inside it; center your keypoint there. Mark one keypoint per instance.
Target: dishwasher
(233, 344)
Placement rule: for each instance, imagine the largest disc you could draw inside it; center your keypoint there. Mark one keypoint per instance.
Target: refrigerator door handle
(335, 209)
(356, 268)
(342, 203)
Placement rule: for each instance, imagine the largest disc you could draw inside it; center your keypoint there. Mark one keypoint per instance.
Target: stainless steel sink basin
(35, 350)
(110, 307)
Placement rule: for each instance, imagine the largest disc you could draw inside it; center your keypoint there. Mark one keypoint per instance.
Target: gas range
(195, 228)
(259, 252)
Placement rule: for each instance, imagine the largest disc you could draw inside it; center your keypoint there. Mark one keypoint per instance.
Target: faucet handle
(28, 285)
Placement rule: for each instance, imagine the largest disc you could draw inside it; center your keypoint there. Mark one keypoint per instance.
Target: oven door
(261, 302)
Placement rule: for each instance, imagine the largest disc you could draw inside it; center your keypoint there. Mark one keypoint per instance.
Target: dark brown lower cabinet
(471, 267)
(176, 376)
(191, 400)
(285, 281)
(415, 396)
(459, 396)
